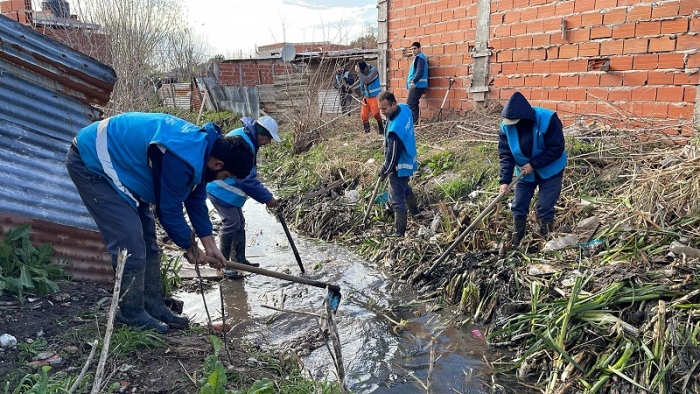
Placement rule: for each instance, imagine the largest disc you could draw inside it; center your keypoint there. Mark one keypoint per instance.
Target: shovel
(333, 290)
(474, 223)
(452, 80)
(291, 241)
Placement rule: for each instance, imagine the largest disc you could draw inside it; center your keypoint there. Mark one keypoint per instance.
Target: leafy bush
(440, 162)
(26, 269)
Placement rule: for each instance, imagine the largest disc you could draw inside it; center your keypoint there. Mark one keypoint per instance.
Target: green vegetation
(26, 269)
(169, 272)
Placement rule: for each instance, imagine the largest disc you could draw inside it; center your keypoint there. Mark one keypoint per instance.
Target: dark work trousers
(122, 226)
(232, 218)
(398, 190)
(413, 102)
(549, 190)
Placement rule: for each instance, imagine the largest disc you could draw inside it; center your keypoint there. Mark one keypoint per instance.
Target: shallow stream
(378, 356)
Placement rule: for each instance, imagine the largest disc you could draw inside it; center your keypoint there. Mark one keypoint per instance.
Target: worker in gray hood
(531, 140)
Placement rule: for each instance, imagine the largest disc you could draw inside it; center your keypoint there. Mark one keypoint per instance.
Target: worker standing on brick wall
(417, 80)
(531, 138)
(400, 159)
(368, 79)
(229, 195)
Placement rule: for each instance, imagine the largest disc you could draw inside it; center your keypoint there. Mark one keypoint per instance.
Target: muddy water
(379, 357)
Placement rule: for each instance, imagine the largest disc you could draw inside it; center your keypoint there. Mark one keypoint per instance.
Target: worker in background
(531, 140)
(417, 80)
(123, 164)
(400, 159)
(343, 81)
(368, 80)
(229, 195)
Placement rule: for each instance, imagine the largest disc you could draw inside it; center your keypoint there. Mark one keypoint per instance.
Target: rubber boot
(518, 230)
(366, 126)
(225, 245)
(380, 127)
(412, 204)
(153, 297)
(131, 309)
(546, 228)
(239, 248)
(400, 219)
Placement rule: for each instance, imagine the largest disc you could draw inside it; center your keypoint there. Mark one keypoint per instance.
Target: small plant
(26, 269)
(29, 350)
(170, 274)
(41, 383)
(456, 189)
(127, 339)
(440, 162)
(214, 380)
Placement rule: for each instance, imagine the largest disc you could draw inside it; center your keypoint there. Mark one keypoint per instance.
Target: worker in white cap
(229, 195)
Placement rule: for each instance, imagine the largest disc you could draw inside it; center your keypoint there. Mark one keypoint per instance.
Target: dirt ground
(68, 320)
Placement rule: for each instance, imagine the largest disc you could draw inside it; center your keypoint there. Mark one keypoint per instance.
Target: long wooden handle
(291, 241)
(474, 223)
(371, 201)
(278, 275)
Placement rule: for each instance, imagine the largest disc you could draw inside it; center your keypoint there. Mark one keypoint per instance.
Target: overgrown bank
(614, 308)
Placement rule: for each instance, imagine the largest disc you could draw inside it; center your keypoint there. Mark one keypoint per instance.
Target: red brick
(511, 17)
(533, 81)
(559, 66)
(656, 110)
(584, 5)
(621, 63)
(517, 81)
(671, 60)
(512, 68)
(546, 11)
(537, 54)
(620, 95)
(690, 93)
(540, 40)
(686, 42)
(665, 10)
(523, 67)
(568, 80)
(660, 78)
(611, 47)
(634, 78)
(674, 26)
(685, 79)
(611, 79)
(518, 28)
(648, 28)
(693, 60)
(638, 45)
(601, 32)
(670, 93)
(564, 7)
(595, 94)
(573, 21)
(500, 81)
(687, 7)
(592, 19)
(523, 41)
(576, 94)
(615, 16)
(646, 62)
(605, 4)
(680, 111)
(553, 52)
(589, 79)
(539, 94)
(662, 44)
(624, 31)
(520, 55)
(504, 56)
(568, 51)
(640, 12)
(536, 26)
(644, 94)
(590, 49)
(552, 24)
(550, 80)
(579, 35)
(494, 68)
(528, 14)
(557, 94)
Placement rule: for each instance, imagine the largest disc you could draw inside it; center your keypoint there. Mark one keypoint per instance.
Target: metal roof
(47, 93)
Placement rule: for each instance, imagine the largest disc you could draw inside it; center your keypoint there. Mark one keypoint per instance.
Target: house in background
(616, 59)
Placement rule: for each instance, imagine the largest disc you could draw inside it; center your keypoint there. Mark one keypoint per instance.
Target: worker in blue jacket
(229, 195)
(531, 140)
(400, 159)
(123, 164)
(417, 80)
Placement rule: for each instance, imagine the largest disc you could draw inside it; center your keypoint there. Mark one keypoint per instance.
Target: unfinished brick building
(612, 58)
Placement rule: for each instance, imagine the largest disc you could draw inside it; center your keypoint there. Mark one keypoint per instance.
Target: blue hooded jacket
(549, 159)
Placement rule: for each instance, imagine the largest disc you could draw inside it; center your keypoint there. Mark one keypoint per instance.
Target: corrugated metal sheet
(329, 101)
(46, 92)
(178, 95)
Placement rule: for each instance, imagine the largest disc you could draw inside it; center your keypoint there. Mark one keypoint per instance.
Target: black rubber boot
(153, 297)
(518, 230)
(546, 228)
(366, 126)
(412, 204)
(380, 127)
(400, 219)
(225, 245)
(131, 307)
(239, 248)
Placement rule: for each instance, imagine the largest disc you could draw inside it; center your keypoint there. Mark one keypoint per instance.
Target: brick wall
(652, 49)
(251, 72)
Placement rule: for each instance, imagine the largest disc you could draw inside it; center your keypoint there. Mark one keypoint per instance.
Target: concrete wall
(608, 57)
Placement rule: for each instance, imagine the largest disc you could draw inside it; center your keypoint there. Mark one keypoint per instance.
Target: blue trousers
(549, 191)
(413, 102)
(398, 190)
(232, 219)
(121, 226)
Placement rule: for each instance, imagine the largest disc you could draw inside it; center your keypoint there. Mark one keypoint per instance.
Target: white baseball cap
(271, 126)
(509, 122)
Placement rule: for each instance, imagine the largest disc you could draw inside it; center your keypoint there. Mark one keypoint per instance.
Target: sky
(234, 27)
